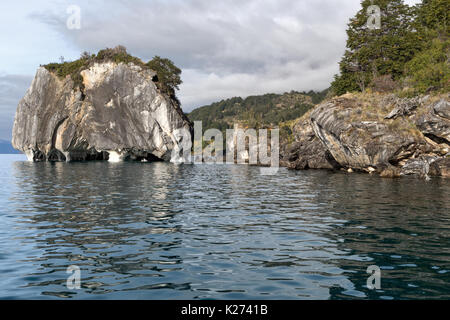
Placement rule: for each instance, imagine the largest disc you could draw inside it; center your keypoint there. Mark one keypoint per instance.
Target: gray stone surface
(307, 152)
(419, 166)
(327, 137)
(435, 123)
(363, 144)
(440, 168)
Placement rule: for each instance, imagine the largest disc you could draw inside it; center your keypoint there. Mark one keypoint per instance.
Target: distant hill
(7, 148)
(263, 111)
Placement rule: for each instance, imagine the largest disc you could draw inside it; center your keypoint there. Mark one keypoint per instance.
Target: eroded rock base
(92, 155)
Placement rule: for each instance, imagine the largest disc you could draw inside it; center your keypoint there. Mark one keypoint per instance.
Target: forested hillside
(268, 110)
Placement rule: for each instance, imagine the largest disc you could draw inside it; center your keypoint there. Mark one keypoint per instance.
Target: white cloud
(225, 48)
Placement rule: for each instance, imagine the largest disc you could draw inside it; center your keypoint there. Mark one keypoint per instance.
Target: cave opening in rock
(145, 157)
(38, 156)
(90, 155)
(152, 158)
(97, 156)
(56, 156)
(437, 139)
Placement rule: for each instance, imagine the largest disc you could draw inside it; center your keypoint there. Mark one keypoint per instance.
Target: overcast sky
(225, 48)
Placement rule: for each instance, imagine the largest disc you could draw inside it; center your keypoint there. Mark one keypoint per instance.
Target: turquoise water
(161, 231)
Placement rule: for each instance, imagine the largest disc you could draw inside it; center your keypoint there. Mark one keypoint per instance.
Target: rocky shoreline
(374, 133)
(118, 112)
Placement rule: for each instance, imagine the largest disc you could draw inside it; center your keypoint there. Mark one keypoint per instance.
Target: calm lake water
(161, 231)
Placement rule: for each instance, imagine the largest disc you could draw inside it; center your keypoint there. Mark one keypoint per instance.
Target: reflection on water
(161, 231)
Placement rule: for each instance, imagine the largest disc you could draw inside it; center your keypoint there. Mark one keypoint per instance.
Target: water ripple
(160, 231)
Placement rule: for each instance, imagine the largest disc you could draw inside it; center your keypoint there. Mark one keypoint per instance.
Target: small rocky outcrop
(307, 152)
(375, 133)
(417, 166)
(434, 123)
(440, 168)
(118, 113)
(360, 144)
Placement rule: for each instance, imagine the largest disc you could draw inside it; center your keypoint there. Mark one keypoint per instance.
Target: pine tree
(376, 52)
(168, 75)
(430, 68)
(434, 15)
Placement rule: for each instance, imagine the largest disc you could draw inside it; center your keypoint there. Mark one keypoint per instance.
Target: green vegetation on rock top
(168, 75)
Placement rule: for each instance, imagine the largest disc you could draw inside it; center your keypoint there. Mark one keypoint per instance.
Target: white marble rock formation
(119, 114)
